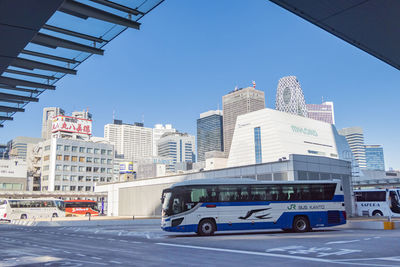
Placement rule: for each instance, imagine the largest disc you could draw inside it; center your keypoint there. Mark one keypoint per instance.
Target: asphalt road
(144, 244)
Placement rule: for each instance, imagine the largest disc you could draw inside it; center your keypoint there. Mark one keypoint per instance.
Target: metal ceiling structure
(43, 40)
(371, 25)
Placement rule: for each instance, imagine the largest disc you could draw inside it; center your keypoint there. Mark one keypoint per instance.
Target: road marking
(120, 233)
(247, 252)
(96, 258)
(124, 241)
(65, 251)
(116, 262)
(111, 239)
(81, 255)
(274, 255)
(136, 242)
(342, 242)
(367, 238)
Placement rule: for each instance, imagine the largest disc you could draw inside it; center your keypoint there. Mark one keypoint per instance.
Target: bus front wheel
(301, 224)
(206, 227)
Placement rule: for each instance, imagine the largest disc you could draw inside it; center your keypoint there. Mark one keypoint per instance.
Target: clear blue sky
(188, 54)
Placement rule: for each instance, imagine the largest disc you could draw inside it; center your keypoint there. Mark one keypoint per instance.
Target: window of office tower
(257, 145)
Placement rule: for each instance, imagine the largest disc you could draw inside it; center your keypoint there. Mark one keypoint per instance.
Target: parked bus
(81, 208)
(378, 202)
(31, 208)
(208, 205)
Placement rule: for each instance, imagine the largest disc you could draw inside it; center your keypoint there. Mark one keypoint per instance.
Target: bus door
(394, 202)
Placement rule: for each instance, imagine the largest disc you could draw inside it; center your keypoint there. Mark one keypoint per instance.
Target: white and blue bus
(208, 205)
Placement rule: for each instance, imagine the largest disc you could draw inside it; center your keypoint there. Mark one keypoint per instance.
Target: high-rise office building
(374, 157)
(179, 147)
(235, 103)
(158, 131)
(321, 112)
(18, 147)
(290, 97)
(355, 138)
(84, 114)
(47, 121)
(209, 133)
(131, 141)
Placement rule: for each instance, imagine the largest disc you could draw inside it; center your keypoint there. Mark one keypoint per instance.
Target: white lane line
(367, 238)
(126, 241)
(96, 231)
(116, 262)
(65, 251)
(81, 255)
(136, 242)
(120, 233)
(111, 239)
(275, 255)
(96, 258)
(342, 242)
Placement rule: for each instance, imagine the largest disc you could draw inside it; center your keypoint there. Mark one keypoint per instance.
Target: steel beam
(30, 74)
(18, 97)
(54, 42)
(4, 118)
(73, 33)
(31, 65)
(119, 7)
(84, 11)
(11, 109)
(14, 88)
(16, 82)
(37, 54)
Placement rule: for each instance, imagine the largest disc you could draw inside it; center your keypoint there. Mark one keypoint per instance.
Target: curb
(373, 225)
(84, 222)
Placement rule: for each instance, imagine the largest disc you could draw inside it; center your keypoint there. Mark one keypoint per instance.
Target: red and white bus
(81, 208)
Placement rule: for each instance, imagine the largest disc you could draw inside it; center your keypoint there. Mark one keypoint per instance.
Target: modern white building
(269, 135)
(131, 141)
(321, 112)
(290, 97)
(158, 131)
(72, 165)
(179, 147)
(355, 138)
(13, 175)
(235, 103)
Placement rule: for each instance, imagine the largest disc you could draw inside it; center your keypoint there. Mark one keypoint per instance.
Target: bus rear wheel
(23, 217)
(377, 213)
(87, 214)
(301, 224)
(55, 215)
(206, 227)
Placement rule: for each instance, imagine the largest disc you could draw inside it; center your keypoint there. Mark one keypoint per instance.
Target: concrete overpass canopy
(43, 40)
(371, 25)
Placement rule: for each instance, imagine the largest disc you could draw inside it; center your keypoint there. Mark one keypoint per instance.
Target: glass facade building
(374, 157)
(321, 112)
(209, 133)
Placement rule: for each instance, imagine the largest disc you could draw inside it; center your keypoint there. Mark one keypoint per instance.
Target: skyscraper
(235, 103)
(48, 115)
(131, 141)
(158, 131)
(374, 157)
(179, 147)
(209, 133)
(355, 138)
(289, 97)
(321, 112)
